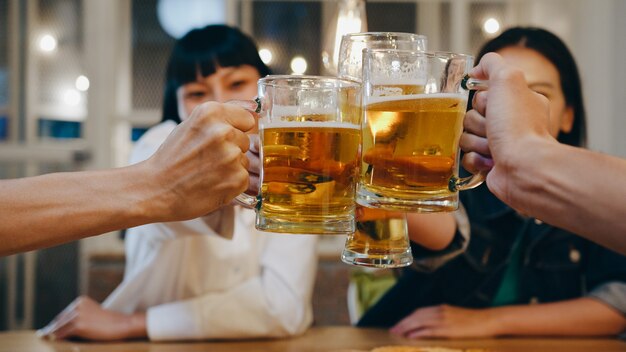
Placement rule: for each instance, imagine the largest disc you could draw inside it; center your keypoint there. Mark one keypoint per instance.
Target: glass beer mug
(381, 237)
(310, 134)
(350, 62)
(414, 107)
(380, 240)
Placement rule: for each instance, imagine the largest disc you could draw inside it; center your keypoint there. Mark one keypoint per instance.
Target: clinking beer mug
(310, 134)
(414, 105)
(380, 240)
(381, 237)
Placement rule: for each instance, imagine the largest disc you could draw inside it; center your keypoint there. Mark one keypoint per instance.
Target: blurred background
(81, 80)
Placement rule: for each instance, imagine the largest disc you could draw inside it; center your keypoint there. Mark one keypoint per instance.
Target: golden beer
(309, 170)
(410, 144)
(379, 235)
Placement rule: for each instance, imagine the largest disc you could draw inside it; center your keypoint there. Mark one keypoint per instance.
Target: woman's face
(227, 83)
(542, 77)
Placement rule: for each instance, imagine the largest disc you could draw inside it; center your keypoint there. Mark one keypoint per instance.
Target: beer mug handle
(469, 83)
(464, 183)
(254, 106)
(247, 201)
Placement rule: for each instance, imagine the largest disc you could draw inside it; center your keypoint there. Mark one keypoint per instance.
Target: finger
(232, 114)
(254, 165)
(472, 143)
(475, 123)
(474, 163)
(64, 332)
(406, 327)
(253, 106)
(253, 186)
(479, 102)
(426, 333)
(62, 324)
(60, 318)
(225, 132)
(245, 162)
(418, 319)
(488, 63)
(254, 143)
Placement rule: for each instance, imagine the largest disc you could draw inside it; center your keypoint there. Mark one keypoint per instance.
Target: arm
(433, 231)
(581, 191)
(47, 210)
(181, 181)
(276, 303)
(85, 318)
(437, 238)
(576, 317)
(571, 188)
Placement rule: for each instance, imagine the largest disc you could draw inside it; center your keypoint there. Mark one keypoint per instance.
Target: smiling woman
(213, 277)
(519, 276)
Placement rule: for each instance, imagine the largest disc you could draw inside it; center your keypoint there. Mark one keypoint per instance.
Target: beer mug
(413, 108)
(381, 238)
(309, 131)
(352, 45)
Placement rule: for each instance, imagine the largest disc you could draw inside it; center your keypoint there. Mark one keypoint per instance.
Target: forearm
(577, 317)
(246, 311)
(276, 302)
(571, 188)
(54, 208)
(432, 231)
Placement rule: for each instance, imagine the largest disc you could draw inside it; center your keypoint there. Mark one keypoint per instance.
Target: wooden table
(335, 339)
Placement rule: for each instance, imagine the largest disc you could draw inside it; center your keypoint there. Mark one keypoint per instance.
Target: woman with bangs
(214, 277)
(519, 276)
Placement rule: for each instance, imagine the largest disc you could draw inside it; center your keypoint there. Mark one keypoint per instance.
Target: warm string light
(491, 26)
(47, 43)
(298, 65)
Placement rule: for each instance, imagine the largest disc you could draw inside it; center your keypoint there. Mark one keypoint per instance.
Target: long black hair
(199, 52)
(552, 48)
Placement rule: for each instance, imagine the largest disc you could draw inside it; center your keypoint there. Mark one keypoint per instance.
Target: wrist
(526, 169)
(498, 321)
(136, 326)
(148, 198)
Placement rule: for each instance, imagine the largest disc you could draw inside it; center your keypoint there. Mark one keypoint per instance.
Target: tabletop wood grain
(334, 339)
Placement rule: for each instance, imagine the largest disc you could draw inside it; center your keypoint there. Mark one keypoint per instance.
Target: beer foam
(295, 113)
(307, 124)
(374, 100)
(295, 110)
(397, 81)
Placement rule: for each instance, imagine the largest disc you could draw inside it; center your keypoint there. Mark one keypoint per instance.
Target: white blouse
(196, 282)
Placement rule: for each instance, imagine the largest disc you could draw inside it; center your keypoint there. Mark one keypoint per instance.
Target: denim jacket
(555, 265)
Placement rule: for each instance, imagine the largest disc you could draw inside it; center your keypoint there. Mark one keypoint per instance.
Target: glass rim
(402, 35)
(271, 81)
(429, 54)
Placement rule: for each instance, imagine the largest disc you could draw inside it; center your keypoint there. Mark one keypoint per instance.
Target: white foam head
(405, 81)
(283, 116)
(380, 99)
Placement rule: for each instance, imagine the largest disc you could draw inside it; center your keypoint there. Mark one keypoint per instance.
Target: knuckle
(245, 162)
(510, 74)
(211, 109)
(209, 112)
(219, 132)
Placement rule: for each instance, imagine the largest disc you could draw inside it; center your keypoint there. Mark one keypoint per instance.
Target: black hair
(554, 49)
(199, 52)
